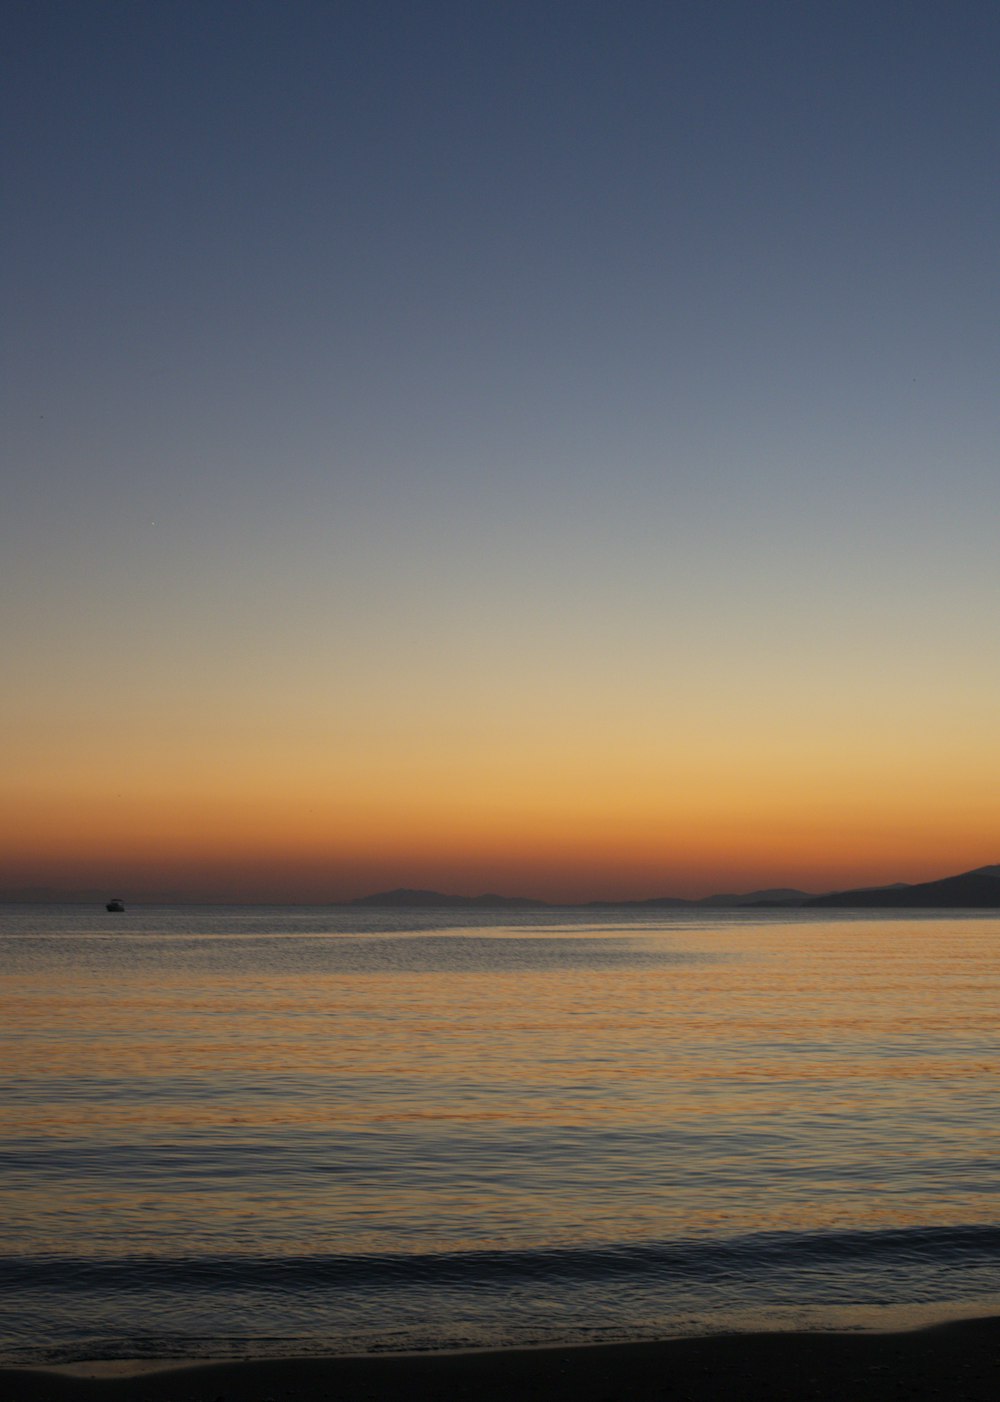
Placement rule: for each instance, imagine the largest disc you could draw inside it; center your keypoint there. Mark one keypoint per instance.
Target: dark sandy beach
(953, 1361)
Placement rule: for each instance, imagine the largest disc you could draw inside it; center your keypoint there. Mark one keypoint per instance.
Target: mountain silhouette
(408, 898)
(978, 889)
(971, 890)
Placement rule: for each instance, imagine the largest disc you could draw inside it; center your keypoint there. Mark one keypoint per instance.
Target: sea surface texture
(292, 1130)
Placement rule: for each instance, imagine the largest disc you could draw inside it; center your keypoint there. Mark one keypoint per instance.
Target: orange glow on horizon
(591, 798)
(221, 847)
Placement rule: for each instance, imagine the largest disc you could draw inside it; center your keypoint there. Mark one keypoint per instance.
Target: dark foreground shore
(948, 1363)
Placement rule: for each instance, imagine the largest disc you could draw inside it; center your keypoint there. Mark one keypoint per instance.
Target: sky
(548, 448)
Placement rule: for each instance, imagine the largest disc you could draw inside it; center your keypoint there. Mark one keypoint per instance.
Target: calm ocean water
(290, 1130)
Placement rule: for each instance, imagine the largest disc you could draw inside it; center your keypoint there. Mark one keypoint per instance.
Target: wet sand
(949, 1363)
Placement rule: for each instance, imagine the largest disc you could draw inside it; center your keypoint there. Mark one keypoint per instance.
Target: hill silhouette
(978, 889)
(407, 898)
(970, 890)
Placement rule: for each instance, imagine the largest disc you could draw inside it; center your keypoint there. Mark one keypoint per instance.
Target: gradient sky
(544, 447)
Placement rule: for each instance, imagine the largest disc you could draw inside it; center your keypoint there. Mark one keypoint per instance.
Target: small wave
(682, 1261)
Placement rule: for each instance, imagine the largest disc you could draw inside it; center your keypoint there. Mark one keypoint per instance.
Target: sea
(229, 1132)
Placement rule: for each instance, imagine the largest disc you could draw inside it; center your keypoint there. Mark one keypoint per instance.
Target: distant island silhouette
(975, 890)
(404, 897)
(970, 890)
(408, 899)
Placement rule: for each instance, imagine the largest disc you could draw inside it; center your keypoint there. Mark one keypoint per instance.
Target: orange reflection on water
(758, 1075)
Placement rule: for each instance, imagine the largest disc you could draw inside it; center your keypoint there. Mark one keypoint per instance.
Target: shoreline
(954, 1361)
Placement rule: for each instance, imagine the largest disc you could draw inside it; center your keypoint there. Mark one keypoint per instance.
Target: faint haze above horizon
(539, 448)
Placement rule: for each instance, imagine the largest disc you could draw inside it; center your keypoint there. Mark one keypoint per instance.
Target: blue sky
(411, 351)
